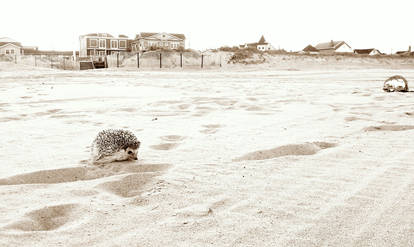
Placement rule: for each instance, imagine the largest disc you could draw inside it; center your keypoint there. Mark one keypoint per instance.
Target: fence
(156, 59)
(46, 61)
(150, 60)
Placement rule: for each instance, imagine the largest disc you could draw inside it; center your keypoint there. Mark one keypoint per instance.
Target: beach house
(262, 45)
(147, 41)
(101, 44)
(334, 47)
(10, 47)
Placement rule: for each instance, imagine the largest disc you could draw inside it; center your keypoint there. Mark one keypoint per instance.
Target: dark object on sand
(396, 83)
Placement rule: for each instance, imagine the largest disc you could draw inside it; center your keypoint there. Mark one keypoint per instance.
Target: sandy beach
(234, 157)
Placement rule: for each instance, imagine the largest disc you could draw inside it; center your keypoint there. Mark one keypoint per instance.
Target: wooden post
(51, 65)
(181, 60)
(160, 61)
(117, 60)
(35, 60)
(15, 59)
(220, 60)
(138, 60)
(64, 68)
(106, 61)
(202, 60)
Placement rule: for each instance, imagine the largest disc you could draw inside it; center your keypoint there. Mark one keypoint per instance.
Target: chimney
(332, 43)
(409, 48)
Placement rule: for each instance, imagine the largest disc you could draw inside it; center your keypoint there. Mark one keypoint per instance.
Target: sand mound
(48, 218)
(73, 174)
(389, 128)
(292, 149)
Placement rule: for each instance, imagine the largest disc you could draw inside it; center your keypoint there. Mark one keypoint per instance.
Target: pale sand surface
(228, 158)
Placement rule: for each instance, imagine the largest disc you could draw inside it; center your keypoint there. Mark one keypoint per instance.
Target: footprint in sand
(128, 186)
(211, 128)
(7, 119)
(171, 139)
(128, 109)
(287, 150)
(389, 128)
(203, 110)
(48, 218)
(183, 106)
(350, 119)
(164, 146)
(254, 108)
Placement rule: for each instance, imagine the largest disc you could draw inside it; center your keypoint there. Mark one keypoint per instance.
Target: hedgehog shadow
(73, 174)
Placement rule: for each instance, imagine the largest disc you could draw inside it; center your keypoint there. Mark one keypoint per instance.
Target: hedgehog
(114, 145)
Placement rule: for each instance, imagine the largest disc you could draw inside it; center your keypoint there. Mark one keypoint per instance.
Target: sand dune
(228, 158)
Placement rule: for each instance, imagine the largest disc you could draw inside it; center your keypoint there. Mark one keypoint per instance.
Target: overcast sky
(290, 24)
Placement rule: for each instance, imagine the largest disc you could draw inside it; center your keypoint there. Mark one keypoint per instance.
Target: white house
(262, 45)
(147, 41)
(10, 47)
(334, 47)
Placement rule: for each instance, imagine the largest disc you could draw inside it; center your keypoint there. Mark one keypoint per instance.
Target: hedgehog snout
(132, 153)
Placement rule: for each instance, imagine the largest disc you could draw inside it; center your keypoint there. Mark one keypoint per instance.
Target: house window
(12, 51)
(91, 52)
(166, 44)
(7, 52)
(122, 44)
(93, 43)
(101, 53)
(102, 43)
(114, 44)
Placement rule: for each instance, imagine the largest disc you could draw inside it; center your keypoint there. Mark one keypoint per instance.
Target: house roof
(402, 52)
(99, 35)
(365, 51)
(6, 40)
(262, 41)
(145, 35)
(13, 43)
(332, 45)
(310, 48)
